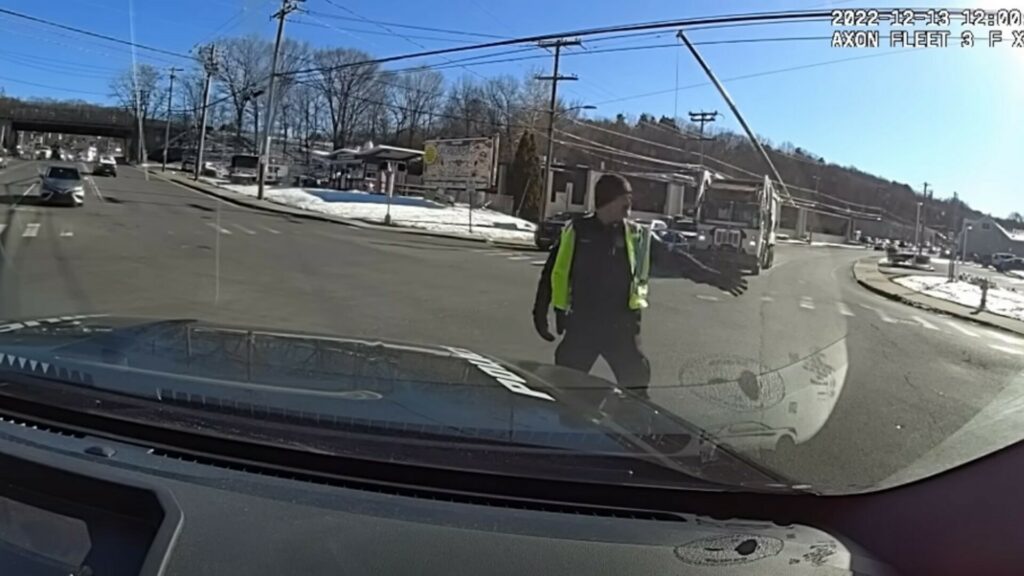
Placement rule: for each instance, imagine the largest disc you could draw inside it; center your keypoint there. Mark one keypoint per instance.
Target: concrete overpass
(80, 120)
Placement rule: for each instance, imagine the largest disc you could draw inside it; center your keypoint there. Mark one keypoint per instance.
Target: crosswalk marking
(271, 230)
(962, 330)
(844, 309)
(66, 233)
(218, 228)
(1007, 349)
(881, 314)
(806, 303)
(707, 298)
(925, 323)
(539, 262)
(31, 231)
(767, 299)
(244, 229)
(519, 257)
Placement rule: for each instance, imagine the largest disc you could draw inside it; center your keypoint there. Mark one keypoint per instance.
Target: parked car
(188, 164)
(62, 185)
(547, 233)
(1007, 264)
(105, 167)
(999, 257)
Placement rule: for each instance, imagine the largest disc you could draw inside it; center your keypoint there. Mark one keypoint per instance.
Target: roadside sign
(456, 162)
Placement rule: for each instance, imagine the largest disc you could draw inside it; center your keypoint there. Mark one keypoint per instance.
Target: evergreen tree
(525, 178)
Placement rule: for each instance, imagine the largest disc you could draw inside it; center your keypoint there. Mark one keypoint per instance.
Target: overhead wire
(91, 34)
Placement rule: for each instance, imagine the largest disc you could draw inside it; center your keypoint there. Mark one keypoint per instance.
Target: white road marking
(2, 228)
(767, 299)
(66, 233)
(95, 188)
(244, 229)
(807, 303)
(218, 228)
(924, 323)
(1007, 349)
(520, 257)
(31, 231)
(1004, 337)
(539, 262)
(881, 314)
(271, 230)
(844, 309)
(962, 330)
(481, 250)
(707, 298)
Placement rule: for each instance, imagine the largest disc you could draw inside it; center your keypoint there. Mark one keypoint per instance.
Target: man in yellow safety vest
(596, 279)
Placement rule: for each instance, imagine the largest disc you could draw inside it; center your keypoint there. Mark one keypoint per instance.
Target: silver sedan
(62, 185)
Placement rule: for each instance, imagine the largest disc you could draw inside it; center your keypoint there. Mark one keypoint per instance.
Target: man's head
(613, 197)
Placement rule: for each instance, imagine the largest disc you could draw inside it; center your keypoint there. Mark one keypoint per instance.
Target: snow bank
(487, 224)
(1001, 301)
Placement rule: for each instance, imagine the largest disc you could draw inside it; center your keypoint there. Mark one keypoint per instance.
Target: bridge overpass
(87, 120)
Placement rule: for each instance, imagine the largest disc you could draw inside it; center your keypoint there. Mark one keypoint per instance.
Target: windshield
(808, 279)
(58, 173)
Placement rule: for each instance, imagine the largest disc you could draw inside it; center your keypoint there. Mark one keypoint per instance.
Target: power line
(406, 26)
(48, 87)
(769, 16)
(92, 34)
(375, 33)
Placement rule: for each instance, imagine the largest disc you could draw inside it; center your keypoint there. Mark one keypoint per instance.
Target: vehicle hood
(427, 389)
(62, 185)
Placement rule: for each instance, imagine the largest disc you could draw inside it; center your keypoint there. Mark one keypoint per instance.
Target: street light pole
(963, 250)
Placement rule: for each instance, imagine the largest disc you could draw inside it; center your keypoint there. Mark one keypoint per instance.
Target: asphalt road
(863, 386)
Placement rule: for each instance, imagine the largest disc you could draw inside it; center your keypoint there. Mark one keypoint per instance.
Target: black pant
(617, 342)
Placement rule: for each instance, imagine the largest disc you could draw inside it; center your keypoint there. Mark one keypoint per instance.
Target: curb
(922, 306)
(335, 220)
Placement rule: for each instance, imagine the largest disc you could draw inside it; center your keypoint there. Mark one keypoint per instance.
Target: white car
(62, 185)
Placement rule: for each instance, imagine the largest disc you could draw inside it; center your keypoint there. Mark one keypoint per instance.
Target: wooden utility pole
(209, 56)
(287, 7)
(703, 118)
(167, 127)
(554, 78)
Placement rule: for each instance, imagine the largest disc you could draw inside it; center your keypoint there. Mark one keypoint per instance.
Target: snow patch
(1004, 302)
(487, 224)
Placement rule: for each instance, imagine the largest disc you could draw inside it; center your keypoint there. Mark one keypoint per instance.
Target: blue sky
(950, 117)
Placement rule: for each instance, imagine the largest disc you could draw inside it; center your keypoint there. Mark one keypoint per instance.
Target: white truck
(736, 223)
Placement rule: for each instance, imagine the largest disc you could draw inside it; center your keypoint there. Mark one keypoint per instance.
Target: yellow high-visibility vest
(638, 253)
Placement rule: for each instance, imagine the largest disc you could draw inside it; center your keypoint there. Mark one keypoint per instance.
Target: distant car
(999, 257)
(547, 233)
(188, 164)
(1007, 264)
(3, 162)
(62, 185)
(105, 167)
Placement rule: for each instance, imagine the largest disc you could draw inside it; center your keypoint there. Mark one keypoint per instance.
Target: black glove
(561, 321)
(540, 324)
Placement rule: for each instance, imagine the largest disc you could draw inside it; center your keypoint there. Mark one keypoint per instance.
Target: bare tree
(347, 87)
(465, 108)
(415, 94)
(139, 90)
(244, 70)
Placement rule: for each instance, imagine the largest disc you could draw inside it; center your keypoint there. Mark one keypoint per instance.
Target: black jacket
(600, 277)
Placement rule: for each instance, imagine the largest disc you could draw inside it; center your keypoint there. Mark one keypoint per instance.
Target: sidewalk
(867, 274)
(268, 206)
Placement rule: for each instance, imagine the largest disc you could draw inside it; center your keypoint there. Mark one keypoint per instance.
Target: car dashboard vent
(419, 493)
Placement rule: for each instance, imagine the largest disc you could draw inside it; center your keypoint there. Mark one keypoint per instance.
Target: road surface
(861, 385)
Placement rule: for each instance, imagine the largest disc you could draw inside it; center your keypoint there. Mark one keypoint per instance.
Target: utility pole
(209, 56)
(287, 7)
(918, 230)
(167, 127)
(554, 78)
(954, 213)
(703, 118)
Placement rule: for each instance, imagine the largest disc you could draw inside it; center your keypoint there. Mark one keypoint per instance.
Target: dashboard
(73, 503)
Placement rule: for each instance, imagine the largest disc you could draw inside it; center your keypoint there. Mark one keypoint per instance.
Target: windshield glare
(790, 267)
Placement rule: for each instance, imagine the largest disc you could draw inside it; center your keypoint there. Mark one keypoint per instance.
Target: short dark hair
(609, 187)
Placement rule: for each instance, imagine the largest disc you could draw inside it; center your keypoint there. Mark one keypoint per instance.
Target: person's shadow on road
(728, 279)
